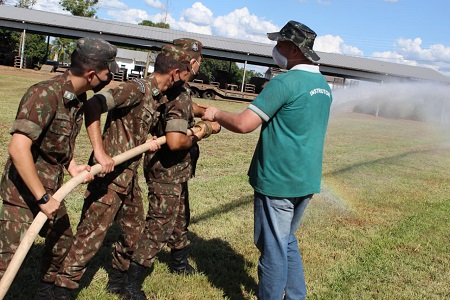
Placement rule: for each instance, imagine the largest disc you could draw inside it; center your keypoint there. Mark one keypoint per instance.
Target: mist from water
(426, 102)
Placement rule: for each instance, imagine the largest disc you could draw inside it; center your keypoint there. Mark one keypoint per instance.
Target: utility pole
(166, 12)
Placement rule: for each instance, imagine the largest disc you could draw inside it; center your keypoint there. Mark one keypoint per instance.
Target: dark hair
(79, 64)
(164, 64)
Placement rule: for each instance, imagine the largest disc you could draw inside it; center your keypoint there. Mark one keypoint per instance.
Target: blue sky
(402, 31)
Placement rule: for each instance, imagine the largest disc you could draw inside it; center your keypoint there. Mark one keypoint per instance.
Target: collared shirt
(295, 107)
(51, 115)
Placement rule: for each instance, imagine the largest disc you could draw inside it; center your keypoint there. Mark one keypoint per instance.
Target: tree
(152, 24)
(61, 48)
(35, 46)
(81, 8)
(25, 3)
(225, 72)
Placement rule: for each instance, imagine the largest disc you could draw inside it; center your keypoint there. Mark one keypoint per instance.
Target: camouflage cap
(183, 49)
(299, 34)
(98, 50)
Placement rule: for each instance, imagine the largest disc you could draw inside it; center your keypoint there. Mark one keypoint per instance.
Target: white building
(134, 61)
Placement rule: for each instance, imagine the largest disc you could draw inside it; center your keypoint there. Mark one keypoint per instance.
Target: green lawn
(378, 230)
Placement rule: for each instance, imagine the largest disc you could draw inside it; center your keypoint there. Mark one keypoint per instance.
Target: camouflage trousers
(167, 221)
(15, 221)
(99, 212)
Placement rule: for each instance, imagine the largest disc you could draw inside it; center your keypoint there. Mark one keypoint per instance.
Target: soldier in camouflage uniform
(133, 113)
(48, 120)
(167, 173)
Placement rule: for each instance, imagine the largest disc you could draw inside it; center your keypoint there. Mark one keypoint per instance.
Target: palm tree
(61, 48)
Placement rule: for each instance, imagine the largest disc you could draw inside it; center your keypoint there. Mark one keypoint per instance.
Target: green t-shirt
(295, 107)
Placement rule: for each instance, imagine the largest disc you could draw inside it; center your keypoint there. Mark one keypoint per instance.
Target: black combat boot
(61, 293)
(133, 287)
(44, 291)
(116, 282)
(180, 264)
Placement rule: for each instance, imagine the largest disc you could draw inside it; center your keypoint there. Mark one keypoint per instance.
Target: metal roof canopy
(152, 38)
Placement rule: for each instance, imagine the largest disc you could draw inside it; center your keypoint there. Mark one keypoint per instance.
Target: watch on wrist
(44, 199)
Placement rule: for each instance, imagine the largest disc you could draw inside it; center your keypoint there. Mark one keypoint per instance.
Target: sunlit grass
(378, 230)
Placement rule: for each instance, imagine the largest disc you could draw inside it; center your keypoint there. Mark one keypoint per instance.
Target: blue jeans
(280, 268)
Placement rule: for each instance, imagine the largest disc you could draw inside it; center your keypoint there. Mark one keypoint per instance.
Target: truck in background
(202, 88)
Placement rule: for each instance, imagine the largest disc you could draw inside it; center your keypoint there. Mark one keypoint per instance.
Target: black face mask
(102, 83)
(178, 83)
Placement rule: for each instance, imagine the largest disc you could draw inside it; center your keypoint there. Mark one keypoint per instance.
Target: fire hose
(64, 190)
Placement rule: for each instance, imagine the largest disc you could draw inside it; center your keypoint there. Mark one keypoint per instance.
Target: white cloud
(393, 57)
(111, 4)
(410, 51)
(405, 51)
(335, 44)
(44, 5)
(240, 24)
(197, 14)
(412, 48)
(165, 18)
(191, 27)
(155, 4)
(132, 16)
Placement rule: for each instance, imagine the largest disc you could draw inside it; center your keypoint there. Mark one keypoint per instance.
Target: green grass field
(378, 230)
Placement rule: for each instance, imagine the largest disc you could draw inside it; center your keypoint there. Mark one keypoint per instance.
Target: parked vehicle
(212, 90)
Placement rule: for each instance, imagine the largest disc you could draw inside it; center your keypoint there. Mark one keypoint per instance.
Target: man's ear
(296, 51)
(90, 75)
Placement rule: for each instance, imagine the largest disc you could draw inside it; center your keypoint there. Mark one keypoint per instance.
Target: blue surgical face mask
(279, 59)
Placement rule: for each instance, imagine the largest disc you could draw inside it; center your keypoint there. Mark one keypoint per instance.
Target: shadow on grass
(27, 279)
(25, 284)
(225, 269)
(222, 209)
(383, 160)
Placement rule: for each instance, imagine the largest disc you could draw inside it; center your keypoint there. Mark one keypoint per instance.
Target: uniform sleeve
(178, 114)
(270, 100)
(126, 94)
(36, 111)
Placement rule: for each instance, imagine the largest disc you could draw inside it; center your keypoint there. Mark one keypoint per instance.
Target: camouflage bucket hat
(299, 34)
(183, 50)
(98, 50)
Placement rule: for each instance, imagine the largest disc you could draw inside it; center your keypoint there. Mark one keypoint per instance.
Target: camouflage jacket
(51, 115)
(177, 115)
(132, 115)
